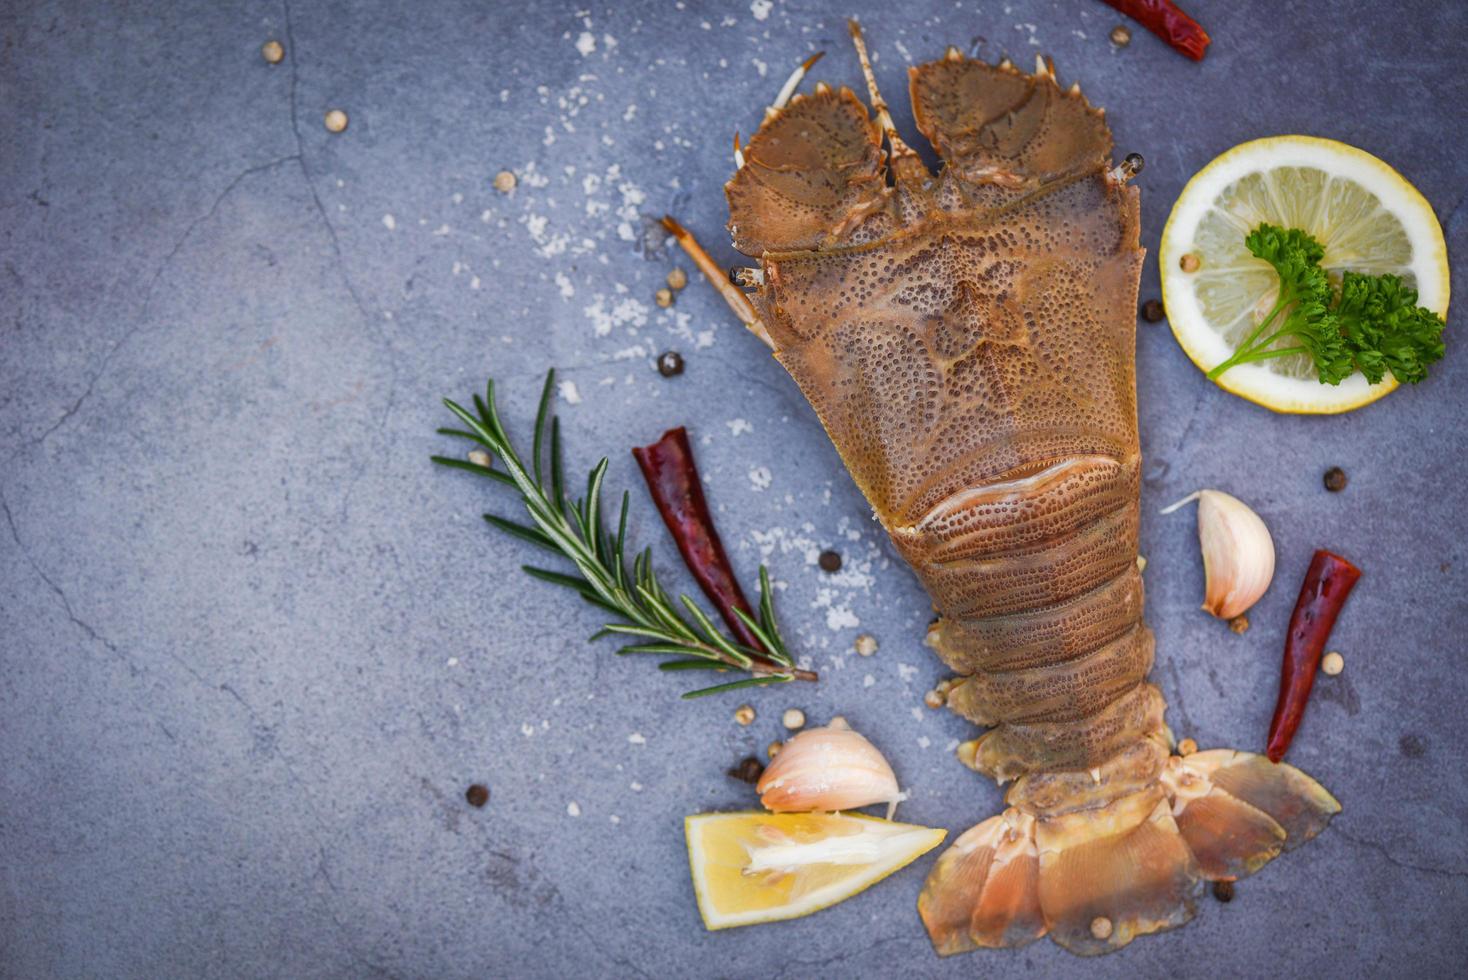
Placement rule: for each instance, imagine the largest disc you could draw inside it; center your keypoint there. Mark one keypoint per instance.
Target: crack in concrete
(60, 593)
(847, 954)
(323, 858)
(148, 294)
(368, 320)
(1386, 854)
(1192, 420)
(578, 922)
(1455, 212)
(1177, 690)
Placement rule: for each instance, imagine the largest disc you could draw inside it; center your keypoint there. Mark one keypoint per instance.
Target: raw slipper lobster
(968, 342)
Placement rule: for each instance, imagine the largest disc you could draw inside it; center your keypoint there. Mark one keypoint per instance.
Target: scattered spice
(1223, 891)
(866, 644)
(504, 181)
(336, 121)
(677, 279)
(829, 561)
(1163, 18)
(664, 297)
(1412, 746)
(935, 699)
(1332, 664)
(1189, 262)
(1327, 584)
(793, 718)
(749, 770)
(773, 749)
(1152, 311)
(670, 364)
(477, 795)
(1101, 927)
(1335, 479)
(1120, 36)
(481, 458)
(1187, 747)
(744, 714)
(1239, 624)
(272, 51)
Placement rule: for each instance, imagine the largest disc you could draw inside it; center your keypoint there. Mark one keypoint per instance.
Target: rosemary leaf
(736, 685)
(540, 413)
(664, 648)
(461, 434)
(712, 634)
(464, 464)
(525, 533)
(769, 644)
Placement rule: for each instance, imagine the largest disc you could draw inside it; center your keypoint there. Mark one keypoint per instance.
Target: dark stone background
(254, 647)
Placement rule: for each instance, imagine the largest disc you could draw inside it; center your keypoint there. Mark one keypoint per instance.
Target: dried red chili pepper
(1327, 583)
(1163, 18)
(671, 476)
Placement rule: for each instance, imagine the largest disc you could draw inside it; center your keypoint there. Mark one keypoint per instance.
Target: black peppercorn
(1152, 311)
(477, 795)
(1223, 891)
(830, 561)
(749, 770)
(670, 364)
(1335, 479)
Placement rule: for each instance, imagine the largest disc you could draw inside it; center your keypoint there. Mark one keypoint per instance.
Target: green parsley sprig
(575, 530)
(1372, 324)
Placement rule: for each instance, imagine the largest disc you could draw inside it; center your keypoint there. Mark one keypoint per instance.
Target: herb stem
(1248, 347)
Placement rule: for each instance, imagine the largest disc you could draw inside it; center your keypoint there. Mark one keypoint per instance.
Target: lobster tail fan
(1230, 838)
(1298, 804)
(1095, 877)
(1110, 875)
(984, 890)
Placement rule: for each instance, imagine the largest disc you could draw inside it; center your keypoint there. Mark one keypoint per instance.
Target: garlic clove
(1238, 553)
(831, 768)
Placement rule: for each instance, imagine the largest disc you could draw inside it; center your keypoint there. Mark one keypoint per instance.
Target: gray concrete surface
(255, 647)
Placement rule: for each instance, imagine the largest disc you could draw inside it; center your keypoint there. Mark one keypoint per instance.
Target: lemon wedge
(1365, 214)
(763, 867)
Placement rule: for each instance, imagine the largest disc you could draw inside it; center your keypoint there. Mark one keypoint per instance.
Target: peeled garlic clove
(1238, 553)
(831, 768)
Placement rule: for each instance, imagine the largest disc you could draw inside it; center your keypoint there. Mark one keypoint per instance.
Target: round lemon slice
(763, 867)
(1364, 213)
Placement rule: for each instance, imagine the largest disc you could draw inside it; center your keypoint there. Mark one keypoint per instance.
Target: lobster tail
(1094, 878)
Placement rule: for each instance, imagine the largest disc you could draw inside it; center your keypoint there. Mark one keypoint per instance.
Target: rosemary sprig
(601, 576)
